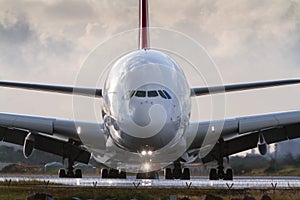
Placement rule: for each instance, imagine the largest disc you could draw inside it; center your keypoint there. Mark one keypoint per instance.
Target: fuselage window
(167, 94)
(162, 94)
(152, 93)
(140, 93)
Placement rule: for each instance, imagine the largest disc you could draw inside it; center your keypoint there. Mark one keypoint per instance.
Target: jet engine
(28, 145)
(262, 145)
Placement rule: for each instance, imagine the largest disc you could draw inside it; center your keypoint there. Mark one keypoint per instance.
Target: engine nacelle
(29, 143)
(262, 145)
(262, 148)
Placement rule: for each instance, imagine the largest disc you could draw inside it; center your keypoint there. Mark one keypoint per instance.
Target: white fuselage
(146, 109)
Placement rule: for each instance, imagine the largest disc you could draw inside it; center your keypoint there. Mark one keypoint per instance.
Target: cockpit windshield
(151, 93)
(167, 94)
(140, 93)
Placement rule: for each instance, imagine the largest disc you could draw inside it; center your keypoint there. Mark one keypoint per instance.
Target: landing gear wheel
(186, 174)
(213, 174)
(152, 175)
(177, 173)
(78, 173)
(122, 175)
(113, 173)
(168, 174)
(221, 174)
(229, 175)
(62, 173)
(139, 176)
(70, 173)
(219, 157)
(104, 173)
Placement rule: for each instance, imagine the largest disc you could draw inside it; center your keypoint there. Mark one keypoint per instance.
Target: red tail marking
(144, 24)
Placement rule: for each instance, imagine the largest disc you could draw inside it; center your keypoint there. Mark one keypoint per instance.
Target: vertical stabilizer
(144, 24)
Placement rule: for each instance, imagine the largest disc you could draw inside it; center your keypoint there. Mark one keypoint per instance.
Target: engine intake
(29, 143)
(262, 145)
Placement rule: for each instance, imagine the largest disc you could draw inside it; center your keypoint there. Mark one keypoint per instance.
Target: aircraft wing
(56, 136)
(243, 133)
(199, 91)
(240, 87)
(92, 92)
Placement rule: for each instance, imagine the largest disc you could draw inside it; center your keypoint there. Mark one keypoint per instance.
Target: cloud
(250, 40)
(24, 49)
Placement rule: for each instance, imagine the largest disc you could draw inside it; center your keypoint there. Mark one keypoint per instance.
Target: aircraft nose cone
(151, 114)
(141, 116)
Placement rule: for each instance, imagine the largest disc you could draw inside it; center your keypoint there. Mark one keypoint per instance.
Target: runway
(196, 182)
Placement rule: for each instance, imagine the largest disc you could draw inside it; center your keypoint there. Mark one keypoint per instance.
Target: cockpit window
(131, 93)
(152, 93)
(140, 93)
(167, 94)
(162, 94)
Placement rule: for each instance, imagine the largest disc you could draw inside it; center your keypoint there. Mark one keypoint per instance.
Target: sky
(249, 40)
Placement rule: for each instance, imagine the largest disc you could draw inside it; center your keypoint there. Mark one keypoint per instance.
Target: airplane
(146, 123)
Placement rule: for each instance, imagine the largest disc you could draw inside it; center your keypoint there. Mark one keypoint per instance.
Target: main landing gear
(113, 173)
(70, 171)
(216, 174)
(177, 172)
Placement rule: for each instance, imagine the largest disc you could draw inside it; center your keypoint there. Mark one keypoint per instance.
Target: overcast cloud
(250, 40)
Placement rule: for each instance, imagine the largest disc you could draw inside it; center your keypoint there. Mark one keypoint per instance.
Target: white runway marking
(198, 182)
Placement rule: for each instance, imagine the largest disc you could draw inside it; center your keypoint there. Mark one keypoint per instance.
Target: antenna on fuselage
(144, 25)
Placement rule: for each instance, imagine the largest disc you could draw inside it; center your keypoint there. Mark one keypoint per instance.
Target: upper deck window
(140, 93)
(152, 93)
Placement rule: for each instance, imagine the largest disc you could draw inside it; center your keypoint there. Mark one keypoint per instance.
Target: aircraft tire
(104, 173)
(62, 173)
(177, 173)
(113, 173)
(168, 174)
(186, 174)
(122, 175)
(213, 174)
(78, 173)
(229, 174)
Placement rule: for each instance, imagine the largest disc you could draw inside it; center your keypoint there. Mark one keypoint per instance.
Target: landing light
(147, 166)
(144, 153)
(79, 130)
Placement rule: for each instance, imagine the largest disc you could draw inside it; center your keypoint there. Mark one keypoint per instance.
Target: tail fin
(144, 24)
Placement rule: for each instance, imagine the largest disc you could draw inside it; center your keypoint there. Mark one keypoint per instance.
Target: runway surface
(196, 182)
